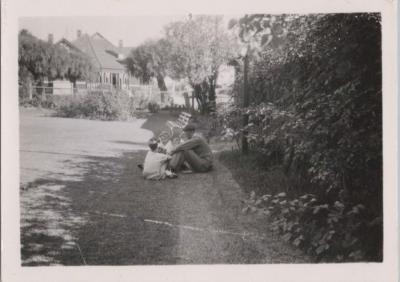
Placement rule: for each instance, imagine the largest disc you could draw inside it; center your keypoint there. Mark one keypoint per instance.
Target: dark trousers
(196, 163)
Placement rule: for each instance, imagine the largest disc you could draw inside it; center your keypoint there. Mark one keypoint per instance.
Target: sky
(132, 30)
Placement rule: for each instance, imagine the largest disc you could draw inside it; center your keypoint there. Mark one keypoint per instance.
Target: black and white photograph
(211, 139)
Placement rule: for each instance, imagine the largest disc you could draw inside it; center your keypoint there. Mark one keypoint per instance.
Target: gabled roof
(68, 45)
(102, 52)
(125, 51)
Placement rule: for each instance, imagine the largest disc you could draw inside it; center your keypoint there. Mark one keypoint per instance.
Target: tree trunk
(161, 83)
(40, 91)
(211, 94)
(187, 100)
(200, 97)
(73, 80)
(29, 84)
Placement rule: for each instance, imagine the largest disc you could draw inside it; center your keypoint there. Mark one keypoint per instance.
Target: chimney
(120, 43)
(50, 38)
(79, 33)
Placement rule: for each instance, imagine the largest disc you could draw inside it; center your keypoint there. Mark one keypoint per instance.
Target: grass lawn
(83, 201)
(253, 173)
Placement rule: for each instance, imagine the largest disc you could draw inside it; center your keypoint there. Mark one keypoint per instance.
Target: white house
(106, 58)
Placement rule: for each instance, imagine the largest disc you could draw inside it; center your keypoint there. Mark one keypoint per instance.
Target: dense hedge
(317, 112)
(102, 105)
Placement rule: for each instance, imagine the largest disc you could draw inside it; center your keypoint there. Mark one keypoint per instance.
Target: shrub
(38, 99)
(141, 99)
(153, 107)
(316, 111)
(100, 105)
(336, 231)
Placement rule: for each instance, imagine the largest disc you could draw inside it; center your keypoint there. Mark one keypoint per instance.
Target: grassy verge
(329, 232)
(253, 174)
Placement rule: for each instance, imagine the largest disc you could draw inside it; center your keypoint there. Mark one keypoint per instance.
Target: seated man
(195, 151)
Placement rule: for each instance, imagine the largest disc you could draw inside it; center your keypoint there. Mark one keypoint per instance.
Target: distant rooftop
(102, 52)
(125, 50)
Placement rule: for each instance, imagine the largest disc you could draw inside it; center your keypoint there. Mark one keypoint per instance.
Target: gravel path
(83, 201)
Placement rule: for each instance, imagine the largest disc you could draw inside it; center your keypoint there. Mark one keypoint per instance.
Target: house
(107, 59)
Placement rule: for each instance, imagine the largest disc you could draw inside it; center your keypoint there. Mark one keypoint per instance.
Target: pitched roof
(125, 51)
(102, 52)
(68, 45)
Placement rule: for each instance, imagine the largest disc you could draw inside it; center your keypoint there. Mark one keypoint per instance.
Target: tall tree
(38, 60)
(199, 46)
(32, 57)
(138, 63)
(160, 59)
(150, 60)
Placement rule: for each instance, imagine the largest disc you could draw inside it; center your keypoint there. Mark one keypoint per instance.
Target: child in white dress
(155, 164)
(165, 144)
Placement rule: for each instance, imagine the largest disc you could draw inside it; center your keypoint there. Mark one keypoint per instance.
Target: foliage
(199, 46)
(329, 231)
(38, 60)
(315, 84)
(101, 105)
(153, 107)
(43, 101)
(150, 60)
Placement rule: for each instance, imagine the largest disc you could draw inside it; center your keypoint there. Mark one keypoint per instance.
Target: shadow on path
(157, 122)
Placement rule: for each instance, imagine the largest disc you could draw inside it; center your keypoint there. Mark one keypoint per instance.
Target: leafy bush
(316, 111)
(37, 101)
(153, 107)
(100, 105)
(141, 99)
(336, 231)
(326, 81)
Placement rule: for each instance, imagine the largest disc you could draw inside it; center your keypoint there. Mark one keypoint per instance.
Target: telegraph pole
(245, 145)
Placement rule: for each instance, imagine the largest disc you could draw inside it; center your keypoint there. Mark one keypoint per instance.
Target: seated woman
(195, 151)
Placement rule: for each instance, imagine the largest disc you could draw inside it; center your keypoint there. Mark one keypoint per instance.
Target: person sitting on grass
(155, 164)
(195, 152)
(165, 145)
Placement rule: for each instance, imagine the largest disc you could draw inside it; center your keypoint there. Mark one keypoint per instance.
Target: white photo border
(12, 10)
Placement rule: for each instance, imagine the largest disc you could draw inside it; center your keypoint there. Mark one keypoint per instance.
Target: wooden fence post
(187, 101)
(43, 96)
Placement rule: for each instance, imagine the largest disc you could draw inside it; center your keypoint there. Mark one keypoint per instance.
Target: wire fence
(47, 95)
(142, 94)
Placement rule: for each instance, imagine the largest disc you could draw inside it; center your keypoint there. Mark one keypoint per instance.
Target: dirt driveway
(83, 201)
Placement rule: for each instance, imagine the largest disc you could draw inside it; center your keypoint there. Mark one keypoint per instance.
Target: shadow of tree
(157, 122)
(110, 202)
